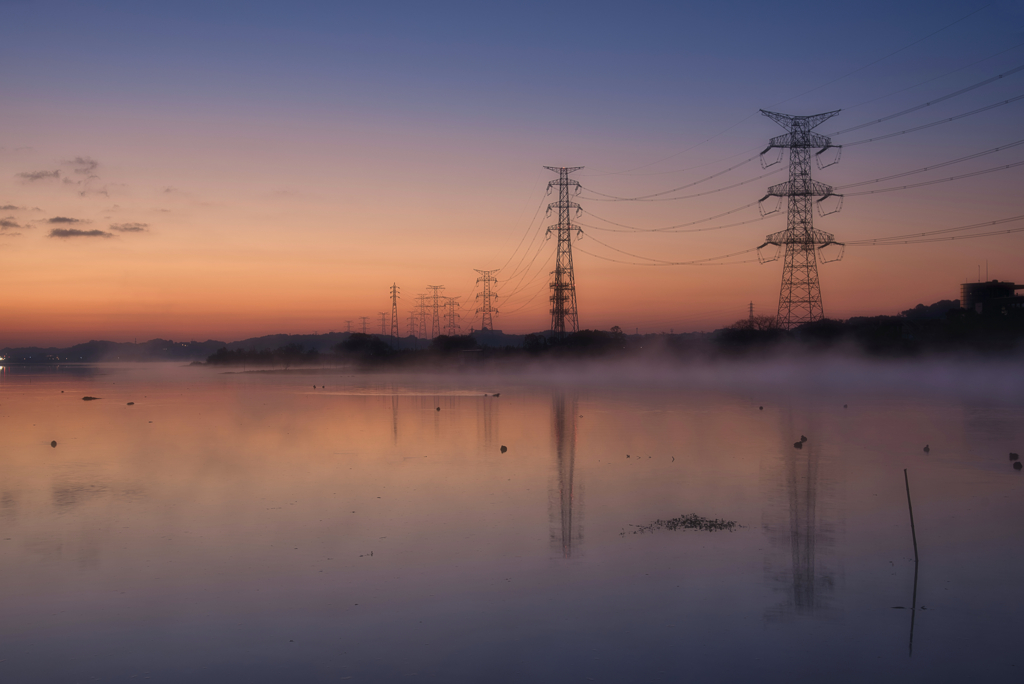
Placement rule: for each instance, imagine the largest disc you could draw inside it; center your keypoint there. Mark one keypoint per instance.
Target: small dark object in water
(844, 405)
(504, 448)
(131, 403)
(798, 445)
(627, 455)
(686, 522)
(438, 408)
(1017, 465)
(760, 408)
(62, 391)
(926, 449)
(1013, 456)
(314, 386)
(497, 394)
(90, 398)
(802, 438)
(54, 444)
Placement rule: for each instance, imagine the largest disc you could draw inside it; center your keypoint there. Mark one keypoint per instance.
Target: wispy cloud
(65, 219)
(8, 223)
(11, 207)
(32, 176)
(129, 227)
(75, 232)
(84, 165)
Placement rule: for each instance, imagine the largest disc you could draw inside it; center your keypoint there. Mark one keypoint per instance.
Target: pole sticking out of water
(910, 506)
(913, 532)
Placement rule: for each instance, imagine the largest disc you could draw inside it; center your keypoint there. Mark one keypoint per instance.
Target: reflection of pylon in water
(800, 295)
(564, 436)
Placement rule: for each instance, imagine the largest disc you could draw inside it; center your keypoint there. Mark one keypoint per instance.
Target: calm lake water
(248, 527)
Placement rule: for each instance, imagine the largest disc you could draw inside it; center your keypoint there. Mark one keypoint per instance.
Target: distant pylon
(413, 322)
(563, 285)
(800, 295)
(421, 304)
(348, 326)
(435, 326)
(383, 323)
(452, 315)
(488, 311)
(751, 312)
(364, 319)
(394, 311)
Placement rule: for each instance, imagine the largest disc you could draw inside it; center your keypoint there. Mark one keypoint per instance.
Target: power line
(681, 187)
(674, 263)
(678, 225)
(928, 236)
(931, 102)
(935, 123)
(655, 198)
(933, 166)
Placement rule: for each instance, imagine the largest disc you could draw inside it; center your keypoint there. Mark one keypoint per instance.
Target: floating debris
(802, 438)
(760, 408)
(627, 455)
(91, 398)
(686, 522)
(54, 444)
(131, 403)
(798, 445)
(844, 405)
(438, 408)
(1013, 456)
(504, 448)
(1017, 465)
(926, 448)
(497, 394)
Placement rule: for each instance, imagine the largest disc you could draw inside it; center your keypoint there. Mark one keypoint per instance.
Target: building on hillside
(992, 297)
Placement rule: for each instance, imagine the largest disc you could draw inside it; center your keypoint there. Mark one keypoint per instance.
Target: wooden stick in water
(913, 532)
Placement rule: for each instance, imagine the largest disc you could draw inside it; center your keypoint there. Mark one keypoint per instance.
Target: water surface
(251, 527)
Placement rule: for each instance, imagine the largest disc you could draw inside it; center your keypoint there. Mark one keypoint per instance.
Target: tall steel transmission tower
(452, 315)
(394, 311)
(383, 323)
(348, 326)
(421, 304)
(435, 326)
(364, 319)
(488, 310)
(563, 286)
(800, 296)
(414, 318)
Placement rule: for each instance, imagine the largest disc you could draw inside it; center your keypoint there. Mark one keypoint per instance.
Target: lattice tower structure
(394, 311)
(800, 294)
(364, 319)
(564, 317)
(487, 294)
(452, 315)
(414, 318)
(421, 303)
(383, 323)
(348, 326)
(435, 325)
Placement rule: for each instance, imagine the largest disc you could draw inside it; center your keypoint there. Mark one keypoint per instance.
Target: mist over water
(323, 523)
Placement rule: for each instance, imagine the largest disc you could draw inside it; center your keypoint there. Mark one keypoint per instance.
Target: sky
(220, 170)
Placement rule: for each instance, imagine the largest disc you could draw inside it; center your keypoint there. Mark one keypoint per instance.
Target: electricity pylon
(383, 323)
(413, 322)
(364, 319)
(394, 311)
(421, 303)
(563, 285)
(435, 326)
(452, 303)
(348, 326)
(488, 311)
(800, 295)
